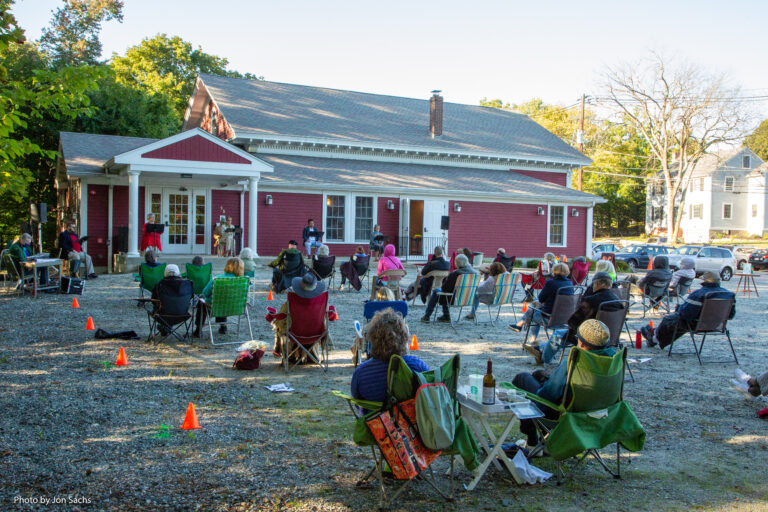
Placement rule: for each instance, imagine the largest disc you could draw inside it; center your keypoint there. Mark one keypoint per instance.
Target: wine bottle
(489, 386)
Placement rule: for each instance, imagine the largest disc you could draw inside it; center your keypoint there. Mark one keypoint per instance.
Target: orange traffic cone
(565, 258)
(651, 324)
(414, 343)
(122, 360)
(89, 325)
(270, 297)
(525, 307)
(190, 420)
(650, 263)
(75, 304)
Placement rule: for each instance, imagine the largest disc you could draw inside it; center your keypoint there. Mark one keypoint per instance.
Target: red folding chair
(579, 273)
(527, 280)
(307, 326)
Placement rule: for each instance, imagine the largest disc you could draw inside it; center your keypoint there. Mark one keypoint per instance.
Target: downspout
(110, 198)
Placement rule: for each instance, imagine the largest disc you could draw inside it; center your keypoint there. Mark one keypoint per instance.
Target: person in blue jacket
(684, 319)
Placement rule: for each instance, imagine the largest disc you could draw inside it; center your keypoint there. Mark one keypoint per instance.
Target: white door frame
(192, 193)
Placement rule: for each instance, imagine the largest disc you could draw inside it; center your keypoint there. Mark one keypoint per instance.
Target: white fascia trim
(197, 168)
(191, 103)
(481, 197)
(134, 157)
(249, 138)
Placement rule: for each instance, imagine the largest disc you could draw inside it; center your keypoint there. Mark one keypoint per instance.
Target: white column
(133, 212)
(253, 207)
(588, 251)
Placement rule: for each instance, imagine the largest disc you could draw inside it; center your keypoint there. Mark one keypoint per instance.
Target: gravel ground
(79, 434)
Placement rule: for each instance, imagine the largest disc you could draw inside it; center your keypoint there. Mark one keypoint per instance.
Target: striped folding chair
(463, 295)
(228, 298)
(504, 293)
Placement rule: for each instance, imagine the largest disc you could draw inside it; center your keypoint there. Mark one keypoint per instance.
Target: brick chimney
(436, 114)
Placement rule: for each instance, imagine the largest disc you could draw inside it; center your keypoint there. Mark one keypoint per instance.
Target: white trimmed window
(728, 187)
(727, 210)
(349, 218)
(556, 226)
(697, 211)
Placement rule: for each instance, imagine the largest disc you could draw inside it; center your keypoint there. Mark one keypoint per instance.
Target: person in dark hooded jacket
(660, 274)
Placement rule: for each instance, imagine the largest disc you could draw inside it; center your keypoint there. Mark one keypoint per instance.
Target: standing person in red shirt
(150, 239)
(72, 249)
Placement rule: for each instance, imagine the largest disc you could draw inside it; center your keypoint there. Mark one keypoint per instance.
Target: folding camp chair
(402, 386)
(713, 320)
(580, 273)
(5, 273)
(229, 297)
(566, 303)
(371, 308)
(508, 262)
(294, 267)
(149, 277)
(24, 282)
(394, 277)
(199, 275)
(681, 289)
(504, 293)
(463, 296)
(616, 321)
(171, 313)
(529, 284)
(306, 326)
(592, 413)
(324, 267)
(437, 281)
(655, 295)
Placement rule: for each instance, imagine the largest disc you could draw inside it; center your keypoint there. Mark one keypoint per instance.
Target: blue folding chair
(360, 345)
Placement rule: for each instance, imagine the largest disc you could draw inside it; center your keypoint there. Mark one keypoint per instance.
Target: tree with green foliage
(72, 39)
(757, 141)
(168, 65)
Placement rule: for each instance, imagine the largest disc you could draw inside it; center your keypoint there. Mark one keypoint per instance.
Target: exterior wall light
(574, 212)
(390, 204)
(456, 207)
(268, 199)
(540, 211)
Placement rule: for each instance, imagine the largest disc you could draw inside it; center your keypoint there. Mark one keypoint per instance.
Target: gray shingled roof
(386, 177)
(256, 107)
(86, 153)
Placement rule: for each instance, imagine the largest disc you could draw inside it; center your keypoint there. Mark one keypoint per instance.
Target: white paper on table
(531, 474)
(280, 388)
(639, 361)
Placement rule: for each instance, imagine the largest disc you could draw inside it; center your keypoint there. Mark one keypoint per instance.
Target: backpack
(248, 360)
(434, 413)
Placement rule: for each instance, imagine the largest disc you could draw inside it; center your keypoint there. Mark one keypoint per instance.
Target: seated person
(20, 251)
(449, 284)
(72, 250)
(436, 262)
(198, 261)
(686, 271)
(170, 286)
(500, 253)
(233, 268)
(389, 336)
(288, 264)
(599, 291)
(376, 246)
(658, 274)
(352, 272)
(322, 263)
(580, 271)
(487, 289)
(387, 262)
(592, 336)
(607, 267)
(150, 258)
(306, 286)
(546, 266)
(384, 295)
(687, 313)
(310, 237)
(545, 302)
(249, 264)
(461, 250)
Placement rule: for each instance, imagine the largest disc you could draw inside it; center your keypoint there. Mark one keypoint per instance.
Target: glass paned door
(177, 217)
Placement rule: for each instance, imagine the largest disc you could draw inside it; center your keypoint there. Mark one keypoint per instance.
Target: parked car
(656, 240)
(708, 259)
(759, 259)
(741, 253)
(599, 249)
(638, 256)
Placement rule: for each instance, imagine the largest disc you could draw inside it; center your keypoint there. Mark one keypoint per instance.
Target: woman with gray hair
(449, 284)
(388, 335)
(686, 271)
(249, 265)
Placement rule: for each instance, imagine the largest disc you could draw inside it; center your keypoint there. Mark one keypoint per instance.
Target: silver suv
(708, 259)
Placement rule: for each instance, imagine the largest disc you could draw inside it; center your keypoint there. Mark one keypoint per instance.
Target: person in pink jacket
(389, 261)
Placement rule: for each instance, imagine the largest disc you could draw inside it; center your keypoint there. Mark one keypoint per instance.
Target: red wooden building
(272, 155)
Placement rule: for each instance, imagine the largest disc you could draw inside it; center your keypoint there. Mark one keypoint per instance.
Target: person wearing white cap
(172, 287)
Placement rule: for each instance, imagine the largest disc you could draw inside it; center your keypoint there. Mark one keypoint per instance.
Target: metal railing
(418, 247)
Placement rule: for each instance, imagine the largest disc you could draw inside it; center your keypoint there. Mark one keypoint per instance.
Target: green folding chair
(149, 277)
(593, 413)
(199, 275)
(402, 385)
(463, 296)
(229, 297)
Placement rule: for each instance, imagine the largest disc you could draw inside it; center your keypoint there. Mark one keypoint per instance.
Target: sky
(514, 50)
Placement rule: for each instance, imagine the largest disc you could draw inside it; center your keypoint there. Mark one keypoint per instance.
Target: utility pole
(580, 140)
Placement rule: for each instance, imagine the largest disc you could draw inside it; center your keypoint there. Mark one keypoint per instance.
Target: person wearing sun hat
(684, 319)
(592, 335)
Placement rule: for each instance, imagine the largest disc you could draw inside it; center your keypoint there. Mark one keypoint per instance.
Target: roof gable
(198, 149)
